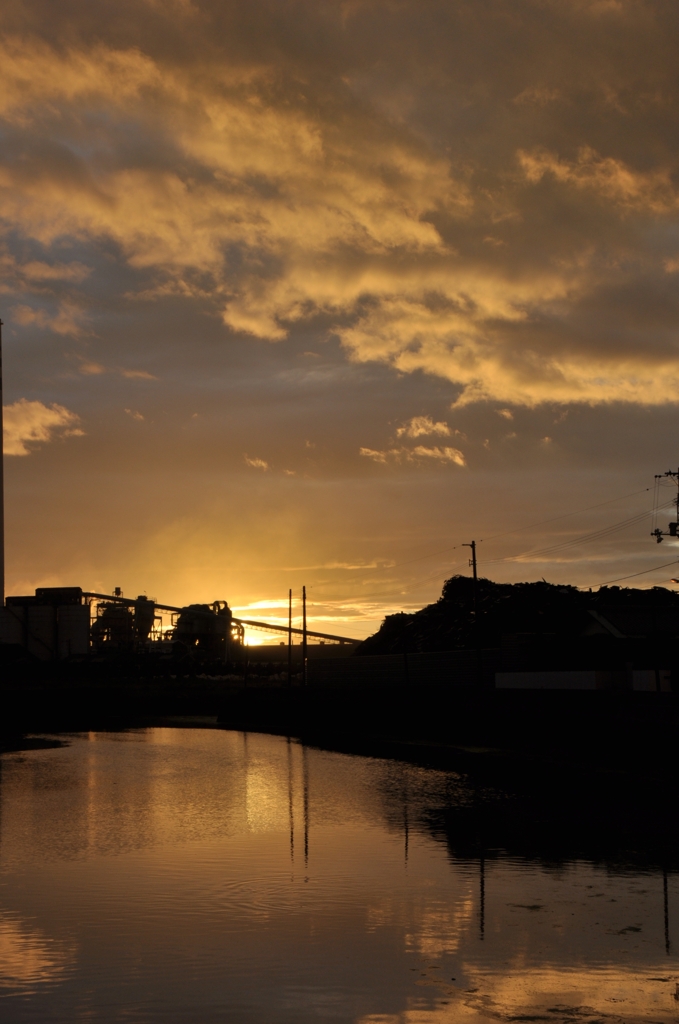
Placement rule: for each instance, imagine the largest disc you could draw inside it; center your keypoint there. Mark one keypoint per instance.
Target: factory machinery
(67, 622)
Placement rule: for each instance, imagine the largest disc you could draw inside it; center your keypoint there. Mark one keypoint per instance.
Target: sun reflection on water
(148, 873)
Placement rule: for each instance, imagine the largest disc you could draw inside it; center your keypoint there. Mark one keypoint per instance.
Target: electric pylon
(672, 528)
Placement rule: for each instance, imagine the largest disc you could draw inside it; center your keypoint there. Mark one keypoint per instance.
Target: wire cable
(506, 533)
(565, 515)
(595, 535)
(674, 561)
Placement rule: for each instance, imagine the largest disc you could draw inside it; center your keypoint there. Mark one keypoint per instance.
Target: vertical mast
(672, 528)
(472, 562)
(290, 638)
(475, 614)
(304, 639)
(2, 490)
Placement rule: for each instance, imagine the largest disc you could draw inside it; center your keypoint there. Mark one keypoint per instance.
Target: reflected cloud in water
(179, 875)
(28, 957)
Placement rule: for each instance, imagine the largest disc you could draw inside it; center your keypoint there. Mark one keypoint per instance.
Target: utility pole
(477, 635)
(290, 638)
(2, 490)
(406, 674)
(672, 528)
(472, 562)
(304, 665)
(482, 896)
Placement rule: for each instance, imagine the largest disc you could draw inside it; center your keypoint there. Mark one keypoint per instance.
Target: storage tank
(204, 629)
(41, 631)
(113, 628)
(13, 624)
(73, 630)
(52, 623)
(144, 616)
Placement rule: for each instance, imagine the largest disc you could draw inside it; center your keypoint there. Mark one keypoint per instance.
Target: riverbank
(625, 731)
(551, 805)
(592, 773)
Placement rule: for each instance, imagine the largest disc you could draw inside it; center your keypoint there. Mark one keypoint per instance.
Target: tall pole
(2, 491)
(667, 912)
(290, 638)
(482, 896)
(477, 634)
(672, 528)
(305, 777)
(472, 562)
(291, 805)
(304, 672)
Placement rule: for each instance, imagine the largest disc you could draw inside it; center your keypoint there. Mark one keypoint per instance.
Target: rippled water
(186, 875)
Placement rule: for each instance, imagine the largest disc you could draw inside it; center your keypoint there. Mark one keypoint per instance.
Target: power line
(506, 533)
(633, 574)
(565, 515)
(595, 535)
(384, 568)
(441, 574)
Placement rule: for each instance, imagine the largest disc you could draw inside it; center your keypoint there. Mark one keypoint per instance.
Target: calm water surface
(187, 875)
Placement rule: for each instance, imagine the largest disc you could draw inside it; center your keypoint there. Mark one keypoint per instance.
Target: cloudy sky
(314, 291)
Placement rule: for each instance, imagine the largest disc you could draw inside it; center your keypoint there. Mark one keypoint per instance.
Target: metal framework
(268, 627)
(672, 528)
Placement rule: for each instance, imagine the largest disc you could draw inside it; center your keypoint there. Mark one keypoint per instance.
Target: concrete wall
(73, 630)
(546, 680)
(460, 669)
(279, 652)
(12, 626)
(636, 679)
(45, 631)
(450, 668)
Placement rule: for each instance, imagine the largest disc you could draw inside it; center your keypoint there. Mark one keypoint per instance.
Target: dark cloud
(467, 204)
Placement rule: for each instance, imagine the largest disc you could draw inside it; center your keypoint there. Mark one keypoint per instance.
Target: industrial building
(58, 623)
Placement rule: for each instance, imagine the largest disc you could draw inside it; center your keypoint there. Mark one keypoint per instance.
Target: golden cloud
(235, 173)
(440, 454)
(422, 426)
(256, 463)
(609, 178)
(413, 454)
(68, 319)
(29, 423)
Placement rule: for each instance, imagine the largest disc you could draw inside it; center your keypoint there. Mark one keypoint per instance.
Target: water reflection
(29, 958)
(201, 875)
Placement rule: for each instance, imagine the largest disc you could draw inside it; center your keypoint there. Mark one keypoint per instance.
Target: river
(201, 875)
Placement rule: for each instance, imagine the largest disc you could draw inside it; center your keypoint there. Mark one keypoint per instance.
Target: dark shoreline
(612, 731)
(520, 804)
(552, 775)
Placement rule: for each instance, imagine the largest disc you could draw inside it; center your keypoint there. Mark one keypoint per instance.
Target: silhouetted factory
(479, 635)
(58, 623)
(66, 622)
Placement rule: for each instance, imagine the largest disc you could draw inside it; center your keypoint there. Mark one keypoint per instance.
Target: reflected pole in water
(406, 831)
(667, 911)
(290, 638)
(482, 896)
(290, 804)
(305, 771)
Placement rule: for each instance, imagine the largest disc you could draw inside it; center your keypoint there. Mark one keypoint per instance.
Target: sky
(314, 293)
